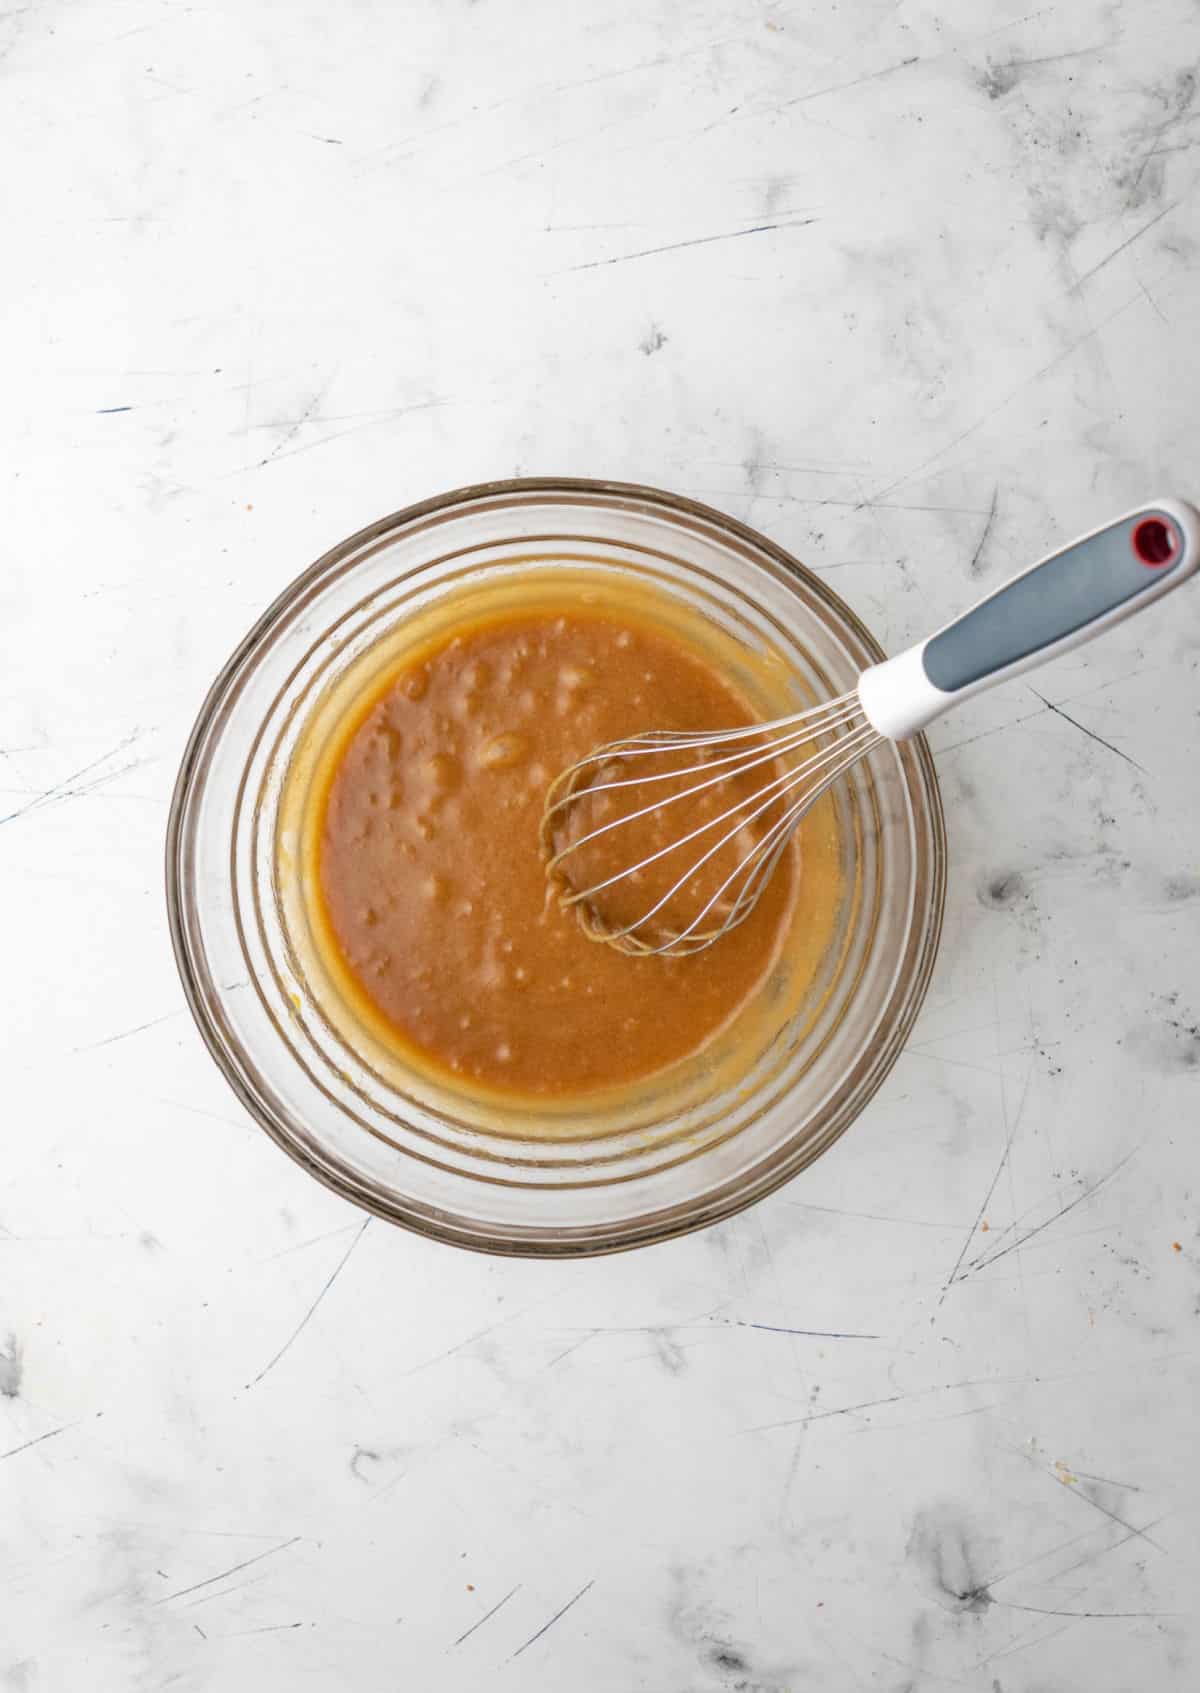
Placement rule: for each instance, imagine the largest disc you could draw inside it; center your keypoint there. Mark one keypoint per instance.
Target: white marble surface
(914, 289)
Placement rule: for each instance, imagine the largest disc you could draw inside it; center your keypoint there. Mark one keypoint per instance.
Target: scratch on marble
(1106, 1481)
(125, 1034)
(1040, 1611)
(999, 80)
(372, 421)
(574, 1347)
(1088, 1558)
(1152, 302)
(1133, 1532)
(1113, 1516)
(490, 1328)
(1103, 1551)
(561, 1613)
(855, 82)
(66, 789)
(973, 567)
(860, 504)
(220, 1593)
(1183, 93)
(998, 729)
(306, 416)
(550, 89)
(696, 241)
(479, 1334)
(985, 1259)
(835, 1411)
(953, 1063)
(308, 1315)
(1007, 399)
(1090, 733)
(268, 1628)
(1025, 1641)
(300, 1245)
(1109, 257)
(36, 1441)
(1004, 1157)
(1060, 1546)
(213, 1116)
(486, 1617)
(271, 1551)
(814, 1334)
(868, 1216)
(540, 154)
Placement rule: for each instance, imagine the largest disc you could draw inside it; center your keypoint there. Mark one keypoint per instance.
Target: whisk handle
(1063, 600)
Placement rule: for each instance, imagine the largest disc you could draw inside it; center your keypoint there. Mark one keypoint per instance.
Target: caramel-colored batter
(434, 888)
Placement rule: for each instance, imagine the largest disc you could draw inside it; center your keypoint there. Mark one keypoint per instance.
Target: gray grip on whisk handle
(1066, 592)
(1058, 603)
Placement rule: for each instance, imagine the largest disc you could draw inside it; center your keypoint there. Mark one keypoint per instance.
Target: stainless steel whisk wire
(774, 741)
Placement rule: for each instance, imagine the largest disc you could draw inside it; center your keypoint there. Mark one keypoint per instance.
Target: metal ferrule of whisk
(837, 733)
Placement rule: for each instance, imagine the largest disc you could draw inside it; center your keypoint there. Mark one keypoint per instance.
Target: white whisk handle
(1060, 602)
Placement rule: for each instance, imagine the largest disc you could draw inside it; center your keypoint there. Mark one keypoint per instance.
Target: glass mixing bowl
(560, 1179)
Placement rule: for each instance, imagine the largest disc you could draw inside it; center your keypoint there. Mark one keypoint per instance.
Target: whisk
(783, 767)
